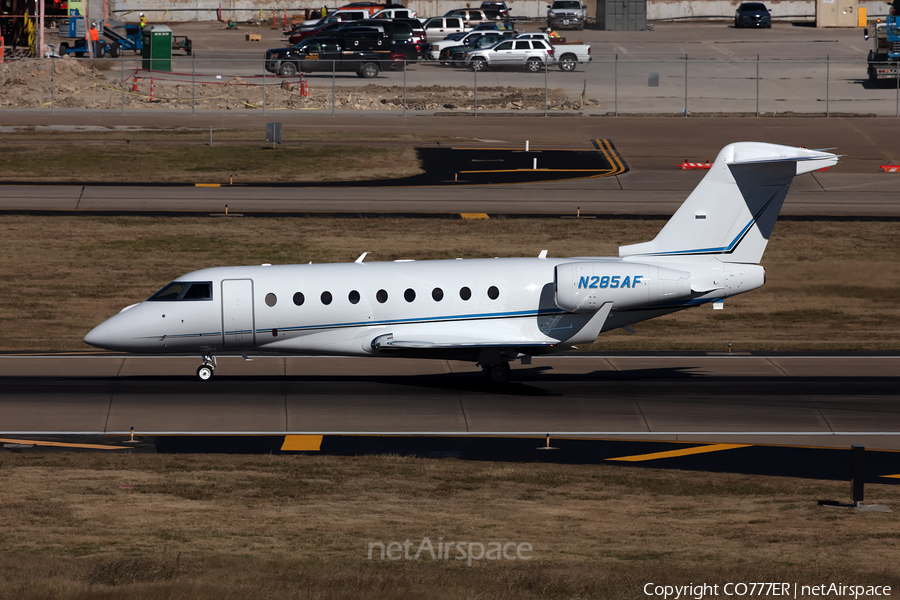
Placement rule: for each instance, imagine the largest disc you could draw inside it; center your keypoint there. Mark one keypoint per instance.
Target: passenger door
(502, 54)
(237, 313)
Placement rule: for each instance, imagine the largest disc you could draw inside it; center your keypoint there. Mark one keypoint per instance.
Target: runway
(830, 401)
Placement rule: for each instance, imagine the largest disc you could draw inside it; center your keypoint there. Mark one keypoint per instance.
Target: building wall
(244, 10)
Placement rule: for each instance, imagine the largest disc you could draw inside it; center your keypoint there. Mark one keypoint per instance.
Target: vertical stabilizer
(732, 212)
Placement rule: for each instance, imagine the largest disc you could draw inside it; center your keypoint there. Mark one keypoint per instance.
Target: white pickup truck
(566, 13)
(565, 55)
(529, 50)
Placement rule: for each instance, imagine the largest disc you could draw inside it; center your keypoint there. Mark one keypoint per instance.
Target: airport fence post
(475, 86)
(685, 84)
(404, 87)
(757, 85)
(857, 472)
(545, 88)
(194, 85)
(123, 82)
(52, 85)
(264, 91)
(827, 83)
(616, 84)
(333, 68)
(897, 109)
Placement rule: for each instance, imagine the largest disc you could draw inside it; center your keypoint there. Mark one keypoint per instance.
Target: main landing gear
(497, 374)
(206, 371)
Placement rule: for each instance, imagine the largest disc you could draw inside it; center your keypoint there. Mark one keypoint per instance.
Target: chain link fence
(612, 85)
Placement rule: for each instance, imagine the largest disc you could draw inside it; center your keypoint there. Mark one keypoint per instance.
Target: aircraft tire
(498, 374)
(205, 372)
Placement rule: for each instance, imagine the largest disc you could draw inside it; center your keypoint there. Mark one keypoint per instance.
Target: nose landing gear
(206, 371)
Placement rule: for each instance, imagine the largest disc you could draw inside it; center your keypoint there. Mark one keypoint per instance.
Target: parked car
(566, 55)
(530, 54)
(456, 55)
(338, 15)
(470, 16)
(395, 13)
(495, 6)
(566, 13)
(467, 39)
(752, 14)
(366, 52)
(400, 32)
(437, 28)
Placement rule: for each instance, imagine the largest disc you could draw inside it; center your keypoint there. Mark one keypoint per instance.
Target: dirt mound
(74, 83)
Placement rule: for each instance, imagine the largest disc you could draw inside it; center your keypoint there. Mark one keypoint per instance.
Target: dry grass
(299, 527)
(189, 163)
(831, 286)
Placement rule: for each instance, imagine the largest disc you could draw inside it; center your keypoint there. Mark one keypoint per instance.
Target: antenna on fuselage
(362, 257)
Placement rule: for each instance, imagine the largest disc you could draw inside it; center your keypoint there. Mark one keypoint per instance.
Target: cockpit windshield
(183, 290)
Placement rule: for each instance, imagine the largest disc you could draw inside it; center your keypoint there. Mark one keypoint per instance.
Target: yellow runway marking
(302, 443)
(207, 185)
(474, 215)
(61, 444)
(682, 452)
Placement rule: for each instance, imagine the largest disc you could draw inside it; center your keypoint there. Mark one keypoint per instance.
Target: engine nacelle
(582, 287)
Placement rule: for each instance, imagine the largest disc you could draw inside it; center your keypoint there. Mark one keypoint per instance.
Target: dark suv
(495, 9)
(752, 14)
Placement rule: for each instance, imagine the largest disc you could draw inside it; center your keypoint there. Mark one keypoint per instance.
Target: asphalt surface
(650, 148)
(831, 401)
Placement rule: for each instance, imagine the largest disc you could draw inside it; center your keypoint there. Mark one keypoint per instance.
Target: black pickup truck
(365, 53)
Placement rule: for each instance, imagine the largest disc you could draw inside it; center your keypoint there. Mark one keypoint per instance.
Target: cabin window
(437, 294)
(465, 293)
(326, 298)
(353, 297)
(298, 298)
(271, 299)
(381, 296)
(409, 295)
(493, 292)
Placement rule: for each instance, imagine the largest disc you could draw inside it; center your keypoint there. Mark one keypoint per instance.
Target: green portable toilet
(157, 51)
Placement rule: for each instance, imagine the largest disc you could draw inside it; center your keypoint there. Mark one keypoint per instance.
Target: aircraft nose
(98, 336)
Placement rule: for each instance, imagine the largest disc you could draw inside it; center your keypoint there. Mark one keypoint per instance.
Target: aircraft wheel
(205, 372)
(498, 374)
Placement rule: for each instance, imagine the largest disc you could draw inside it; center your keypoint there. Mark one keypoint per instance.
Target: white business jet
(490, 311)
